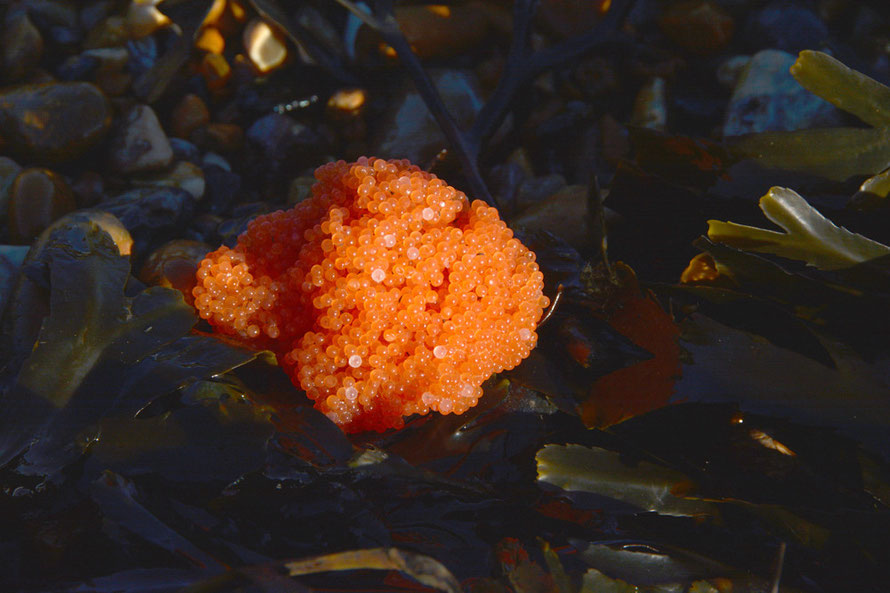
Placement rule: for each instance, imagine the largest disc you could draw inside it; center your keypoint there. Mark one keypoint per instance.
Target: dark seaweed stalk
(522, 66)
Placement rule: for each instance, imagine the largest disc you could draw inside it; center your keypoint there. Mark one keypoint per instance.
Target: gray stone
(56, 12)
(22, 45)
(223, 187)
(211, 158)
(277, 146)
(731, 69)
(111, 59)
(9, 170)
(37, 198)
(183, 150)
(278, 136)
(411, 131)
(184, 175)
(767, 98)
(11, 258)
(152, 215)
(536, 189)
(783, 26)
(140, 144)
(53, 122)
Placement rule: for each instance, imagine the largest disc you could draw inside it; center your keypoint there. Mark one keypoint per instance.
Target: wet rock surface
(409, 129)
(174, 264)
(53, 122)
(22, 47)
(152, 215)
(767, 98)
(37, 198)
(785, 26)
(139, 144)
(9, 170)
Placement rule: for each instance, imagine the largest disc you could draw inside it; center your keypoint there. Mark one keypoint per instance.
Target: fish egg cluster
(384, 294)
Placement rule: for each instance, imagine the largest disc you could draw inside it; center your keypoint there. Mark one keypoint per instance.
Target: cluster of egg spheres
(384, 294)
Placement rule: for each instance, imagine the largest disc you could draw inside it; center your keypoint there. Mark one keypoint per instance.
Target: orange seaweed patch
(385, 294)
(646, 385)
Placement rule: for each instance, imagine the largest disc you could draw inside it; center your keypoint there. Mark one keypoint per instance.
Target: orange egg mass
(385, 294)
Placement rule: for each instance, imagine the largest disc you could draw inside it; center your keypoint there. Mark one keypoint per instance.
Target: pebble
(409, 129)
(535, 190)
(143, 55)
(564, 214)
(184, 175)
(89, 189)
(277, 146)
(217, 13)
(94, 65)
(183, 150)
(174, 265)
(211, 40)
(785, 26)
(223, 188)
(347, 104)
(67, 38)
(216, 160)
(568, 18)
(94, 12)
(265, 47)
(22, 45)
(11, 258)
(438, 31)
(143, 19)
(139, 144)
(107, 222)
(323, 30)
(698, 26)
(650, 106)
(54, 12)
(559, 140)
(767, 98)
(730, 69)
(79, 67)
(13, 255)
(152, 215)
(276, 133)
(9, 170)
(219, 137)
(204, 227)
(109, 32)
(110, 58)
(189, 114)
(504, 181)
(37, 198)
(215, 70)
(57, 22)
(112, 75)
(53, 122)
